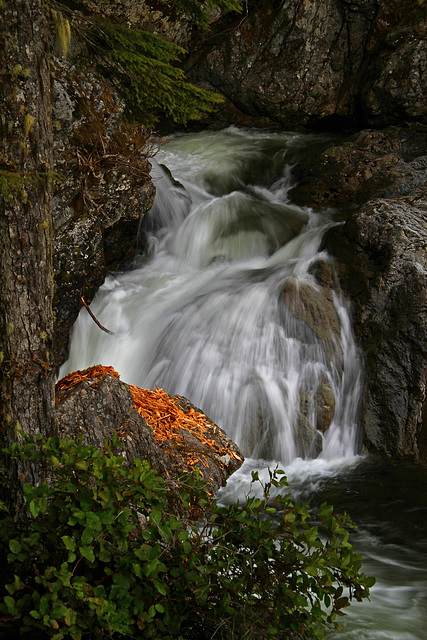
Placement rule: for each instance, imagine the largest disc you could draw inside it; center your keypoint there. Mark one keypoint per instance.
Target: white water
(201, 316)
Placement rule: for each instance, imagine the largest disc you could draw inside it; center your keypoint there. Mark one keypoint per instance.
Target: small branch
(94, 319)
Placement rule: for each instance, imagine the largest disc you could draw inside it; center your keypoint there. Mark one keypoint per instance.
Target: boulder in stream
(367, 164)
(167, 431)
(314, 307)
(381, 254)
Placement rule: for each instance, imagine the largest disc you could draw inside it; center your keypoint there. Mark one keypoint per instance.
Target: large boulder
(302, 62)
(167, 431)
(381, 254)
(367, 164)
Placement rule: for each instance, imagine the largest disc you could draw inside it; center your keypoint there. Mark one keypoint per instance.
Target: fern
(198, 11)
(150, 82)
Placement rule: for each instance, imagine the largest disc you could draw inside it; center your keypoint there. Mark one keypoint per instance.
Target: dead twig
(94, 319)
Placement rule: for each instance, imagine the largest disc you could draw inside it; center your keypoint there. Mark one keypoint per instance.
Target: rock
(299, 63)
(393, 76)
(365, 165)
(314, 418)
(169, 432)
(305, 438)
(103, 190)
(313, 305)
(324, 401)
(382, 265)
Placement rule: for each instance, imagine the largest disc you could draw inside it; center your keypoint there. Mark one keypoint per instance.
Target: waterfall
(233, 305)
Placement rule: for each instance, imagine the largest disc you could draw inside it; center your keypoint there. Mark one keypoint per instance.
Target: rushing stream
(224, 309)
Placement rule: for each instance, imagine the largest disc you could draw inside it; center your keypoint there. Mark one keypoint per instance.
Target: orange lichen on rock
(76, 377)
(164, 416)
(172, 426)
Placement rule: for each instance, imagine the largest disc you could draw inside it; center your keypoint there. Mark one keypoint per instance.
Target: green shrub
(103, 554)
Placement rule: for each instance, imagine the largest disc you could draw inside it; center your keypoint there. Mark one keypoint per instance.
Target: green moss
(63, 33)
(13, 184)
(28, 125)
(199, 11)
(19, 72)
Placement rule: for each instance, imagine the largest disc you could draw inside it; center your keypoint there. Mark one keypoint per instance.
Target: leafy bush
(102, 553)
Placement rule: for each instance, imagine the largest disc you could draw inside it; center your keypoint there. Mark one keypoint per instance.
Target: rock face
(382, 263)
(103, 190)
(299, 62)
(380, 252)
(169, 432)
(370, 163)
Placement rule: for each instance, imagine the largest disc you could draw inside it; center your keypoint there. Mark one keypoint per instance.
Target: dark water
(388, 502)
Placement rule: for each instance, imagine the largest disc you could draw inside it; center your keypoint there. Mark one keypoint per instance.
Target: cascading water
(232, 307)
(213, 311)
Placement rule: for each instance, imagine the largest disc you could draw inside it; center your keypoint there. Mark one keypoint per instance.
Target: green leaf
(15, 546)
(35, 507)
(69, 543)
(87, 536)
(87, 552)
(156, 516)
(10, 603)
(341, 603)
(183, 535)
(370, 581)
(187, 546)
(161, 587)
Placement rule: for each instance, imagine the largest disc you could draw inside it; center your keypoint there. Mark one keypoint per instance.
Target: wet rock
(381, 254)
(94, 403)
(315, 415)
(313, 305)
(324, 274)
(305, 438)
(100, 197)
(296, 63)
(368, 164)
(324, 402)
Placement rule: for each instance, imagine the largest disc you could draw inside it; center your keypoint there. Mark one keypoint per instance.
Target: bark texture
(26, 276)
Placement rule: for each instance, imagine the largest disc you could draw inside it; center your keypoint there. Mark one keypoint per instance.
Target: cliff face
(304, 62)
(381, 253)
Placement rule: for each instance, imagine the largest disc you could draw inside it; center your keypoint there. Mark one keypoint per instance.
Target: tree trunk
(26, 274)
